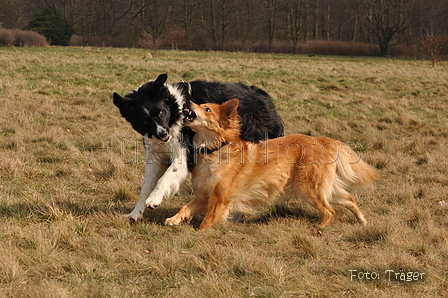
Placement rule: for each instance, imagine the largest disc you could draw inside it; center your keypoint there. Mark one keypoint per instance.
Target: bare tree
(188, 8)
(386, 19)
(317, 18)
(246, 20)
(216, 23)
(152, 16)
(297, 18)
(225, 10)
(219, 18)
(15, 14)
(270, 8)
(213, 22)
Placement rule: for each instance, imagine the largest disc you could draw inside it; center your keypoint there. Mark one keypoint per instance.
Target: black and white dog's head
(153, 109)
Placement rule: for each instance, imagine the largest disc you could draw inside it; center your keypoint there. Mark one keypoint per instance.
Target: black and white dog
(156, 111)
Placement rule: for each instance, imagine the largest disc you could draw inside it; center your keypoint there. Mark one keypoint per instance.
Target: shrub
(434, 47)
(14, 37)
(5, 37)
(103, 40)
(76, 40)
(338, 47)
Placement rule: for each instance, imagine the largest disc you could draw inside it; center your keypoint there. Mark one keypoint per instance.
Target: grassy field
(70, 166)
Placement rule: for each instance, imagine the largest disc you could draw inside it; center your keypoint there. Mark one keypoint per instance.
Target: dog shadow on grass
(160, 214)
(277, 212)
(274, 213)
(56, 210)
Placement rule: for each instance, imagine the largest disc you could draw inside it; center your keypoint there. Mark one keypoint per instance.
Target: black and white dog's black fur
(155, 110)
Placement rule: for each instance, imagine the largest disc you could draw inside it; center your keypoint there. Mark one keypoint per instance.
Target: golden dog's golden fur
(234, 175)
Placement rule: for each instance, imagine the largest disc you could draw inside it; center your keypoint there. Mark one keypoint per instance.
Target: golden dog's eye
(207, 110)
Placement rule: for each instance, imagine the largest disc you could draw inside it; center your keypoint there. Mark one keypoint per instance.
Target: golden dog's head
(213, 122)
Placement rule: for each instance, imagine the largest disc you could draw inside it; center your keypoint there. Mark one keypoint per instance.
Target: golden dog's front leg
(197, 206)
(218, 210)
(183, 214)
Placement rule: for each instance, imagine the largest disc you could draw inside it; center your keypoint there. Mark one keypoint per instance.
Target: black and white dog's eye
(207, 110)
(160, 114)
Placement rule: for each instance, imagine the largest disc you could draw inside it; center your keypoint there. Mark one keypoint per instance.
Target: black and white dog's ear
(161, 79)
(121, 102)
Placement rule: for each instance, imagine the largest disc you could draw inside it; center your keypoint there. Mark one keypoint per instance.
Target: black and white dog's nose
(163, 134)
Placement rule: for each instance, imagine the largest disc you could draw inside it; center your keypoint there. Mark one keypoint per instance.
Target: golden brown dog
(234, 175)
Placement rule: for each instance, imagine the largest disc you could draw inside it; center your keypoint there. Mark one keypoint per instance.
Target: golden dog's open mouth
(189, 115)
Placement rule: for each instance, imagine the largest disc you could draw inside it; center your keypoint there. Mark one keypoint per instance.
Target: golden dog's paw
(173, 221)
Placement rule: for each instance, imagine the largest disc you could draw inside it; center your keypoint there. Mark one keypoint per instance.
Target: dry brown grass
(65, 181)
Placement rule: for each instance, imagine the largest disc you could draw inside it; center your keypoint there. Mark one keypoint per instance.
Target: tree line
(263, 25)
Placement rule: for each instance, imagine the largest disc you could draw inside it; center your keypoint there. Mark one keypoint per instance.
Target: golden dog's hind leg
(319, 201)
(314, 183)
(327, 213)
(344, 198)
(349, 202)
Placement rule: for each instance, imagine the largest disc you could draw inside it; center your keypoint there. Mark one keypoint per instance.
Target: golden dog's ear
(229, 108)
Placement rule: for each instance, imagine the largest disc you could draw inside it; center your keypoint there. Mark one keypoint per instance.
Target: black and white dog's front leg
(153, 172)
(161, 181)
(169, 184)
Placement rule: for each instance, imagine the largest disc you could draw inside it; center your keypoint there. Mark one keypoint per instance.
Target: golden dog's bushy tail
(352, 169)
